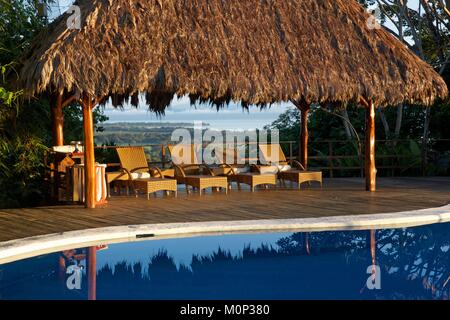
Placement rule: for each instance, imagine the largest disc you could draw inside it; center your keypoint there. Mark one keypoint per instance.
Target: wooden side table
(152, 185)
(300, 177)
(202, 182)
(256, 179)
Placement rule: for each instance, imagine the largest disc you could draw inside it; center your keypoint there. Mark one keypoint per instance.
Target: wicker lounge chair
(228, 168)
(242, 173)
(193, 174)
(189, 163)
(135, 168)
(286, 170)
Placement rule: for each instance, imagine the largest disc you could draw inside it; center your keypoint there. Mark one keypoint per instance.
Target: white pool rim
(32, 246)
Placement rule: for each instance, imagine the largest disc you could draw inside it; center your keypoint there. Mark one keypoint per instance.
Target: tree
(423, 25)
(25, 126)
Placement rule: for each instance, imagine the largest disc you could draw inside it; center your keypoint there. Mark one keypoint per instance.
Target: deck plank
(338, 197)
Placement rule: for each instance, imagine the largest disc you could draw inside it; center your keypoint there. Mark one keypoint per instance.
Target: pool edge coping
(32, 246)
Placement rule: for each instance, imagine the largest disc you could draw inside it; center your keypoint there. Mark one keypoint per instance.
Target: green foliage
(21, 169)
(25, 126)
(21, 151)
(73, 122)
(19, 23)
(327, 124)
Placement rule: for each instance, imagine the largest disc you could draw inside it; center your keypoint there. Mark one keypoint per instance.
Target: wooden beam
(92, 273)
(363, 102)
(56, 108)
(370, 167)
(304, 135)
(69, 100)
(89, 157)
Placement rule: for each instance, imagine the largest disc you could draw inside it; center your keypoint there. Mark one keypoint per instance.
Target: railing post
(330, 157)
(163, 155)
(291, 154)
(361, 160)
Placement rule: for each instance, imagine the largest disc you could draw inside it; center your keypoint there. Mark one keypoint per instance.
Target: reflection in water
(411, 263)
(92, 273)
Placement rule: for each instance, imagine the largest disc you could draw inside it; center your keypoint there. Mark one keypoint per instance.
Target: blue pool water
(411, 263)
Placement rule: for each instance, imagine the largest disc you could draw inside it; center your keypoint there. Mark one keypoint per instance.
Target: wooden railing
(334, 157)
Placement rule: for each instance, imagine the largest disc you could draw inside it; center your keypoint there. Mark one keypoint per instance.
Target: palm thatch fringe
(253, 51)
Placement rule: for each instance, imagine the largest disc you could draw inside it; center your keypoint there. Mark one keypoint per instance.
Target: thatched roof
(253, 51)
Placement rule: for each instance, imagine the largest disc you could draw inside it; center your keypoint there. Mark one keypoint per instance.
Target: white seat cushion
(284, 168)
(140, 175)
(240, 170)
(268, 169)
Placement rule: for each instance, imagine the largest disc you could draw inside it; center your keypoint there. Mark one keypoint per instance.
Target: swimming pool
(409, 263)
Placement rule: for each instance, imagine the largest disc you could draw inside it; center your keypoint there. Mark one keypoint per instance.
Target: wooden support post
(304, 135)
(371, 171)
(89, 157)
(57, 119)
(92, 273)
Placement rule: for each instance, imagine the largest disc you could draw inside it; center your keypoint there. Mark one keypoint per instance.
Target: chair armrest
(226, 165)
(140, 168)
(210, 171)
(254, 167)
(128, 173)
(297, 164)
(158, 170)
(113, 165)
(179, 171)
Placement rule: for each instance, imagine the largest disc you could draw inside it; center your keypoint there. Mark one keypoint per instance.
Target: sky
(232, 117)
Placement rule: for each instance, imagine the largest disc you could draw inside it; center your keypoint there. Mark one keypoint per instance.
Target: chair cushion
(284, 168)
(140, 175)
(240, 170)
(268, 169)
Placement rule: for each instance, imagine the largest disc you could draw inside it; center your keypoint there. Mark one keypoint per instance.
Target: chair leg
(128, 188)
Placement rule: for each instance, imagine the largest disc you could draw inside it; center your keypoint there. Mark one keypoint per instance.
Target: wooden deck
(338, 197)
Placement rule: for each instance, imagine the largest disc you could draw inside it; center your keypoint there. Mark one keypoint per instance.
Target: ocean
(227, 119)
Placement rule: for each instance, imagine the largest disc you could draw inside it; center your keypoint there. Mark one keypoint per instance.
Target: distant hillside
(138, 133)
